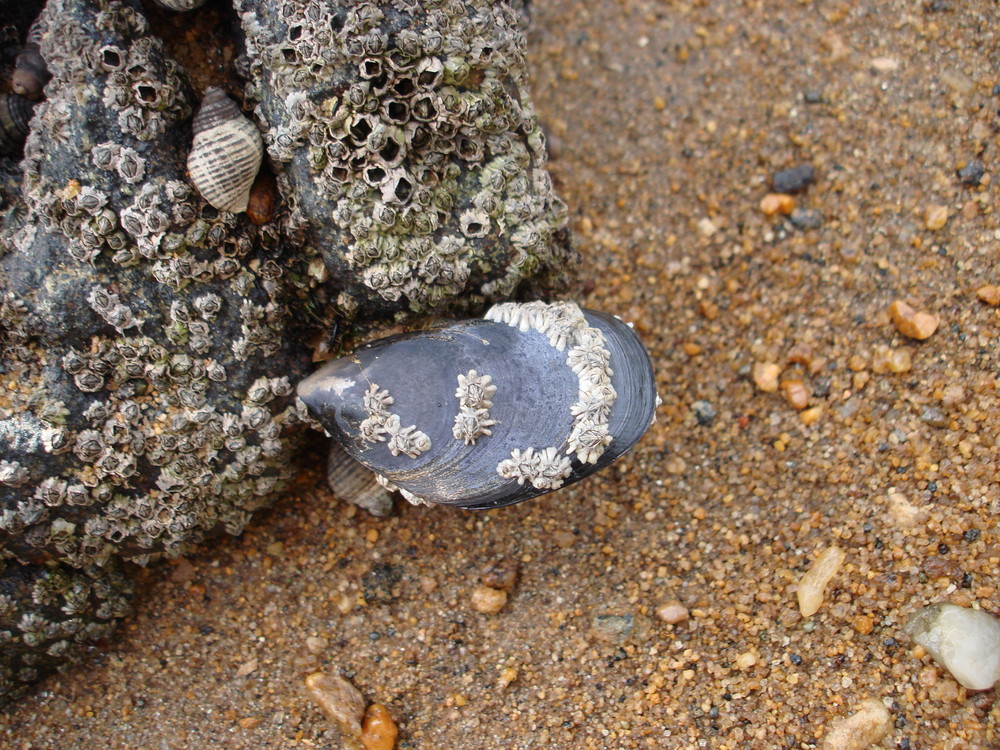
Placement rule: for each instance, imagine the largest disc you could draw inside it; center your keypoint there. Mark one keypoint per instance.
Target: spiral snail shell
(485, 413)
(225, 154)
(180, 5)
(15, 114)
(30, 72)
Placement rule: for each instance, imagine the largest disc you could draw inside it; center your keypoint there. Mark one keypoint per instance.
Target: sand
(668, 122)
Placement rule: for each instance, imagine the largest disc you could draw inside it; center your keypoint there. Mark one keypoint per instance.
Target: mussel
(489, 412)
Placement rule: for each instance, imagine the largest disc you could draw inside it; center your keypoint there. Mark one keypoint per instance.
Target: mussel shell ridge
(416, 377)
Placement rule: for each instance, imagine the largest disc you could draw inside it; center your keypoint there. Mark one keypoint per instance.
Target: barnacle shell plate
(416, 375)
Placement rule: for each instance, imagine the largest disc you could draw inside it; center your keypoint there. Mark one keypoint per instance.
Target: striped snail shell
(225, 154)
(354, 483)
(180, 5)
(489, 412)
(15, 114)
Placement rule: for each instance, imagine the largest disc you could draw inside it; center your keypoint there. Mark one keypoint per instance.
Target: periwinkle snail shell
(180, 5)
(15, 113)
(225, 154)
(489, 412)
(30, 72)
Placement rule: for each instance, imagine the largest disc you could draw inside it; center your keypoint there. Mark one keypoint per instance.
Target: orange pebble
(378, 730)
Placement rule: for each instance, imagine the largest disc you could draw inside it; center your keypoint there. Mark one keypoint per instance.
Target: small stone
(704, 412)
(793, 180)
(989, 294)
(868, 725)
(964, 641)
(911, 323)
(935, 217)
(507, 676)
(378, 731)
(249, 722)
(746, 660)
(675, 465)
(796, 393)
(813, 584)
(777, 203)
(806, 218)
(613, 628)
(247, 668)
(884, 64)
(488, 600)
(811, 415)
(971, 173)
(672, 612)
(903, 513)
(765, 376)
(691, 349)
(886, 359)
(952, 395)
(501, 574)
(316, 645)
(659, 103)
(340, 700)
(864, 624)
(706, 228)
(934, 417)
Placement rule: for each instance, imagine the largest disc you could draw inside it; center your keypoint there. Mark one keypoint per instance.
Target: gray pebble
(793, 180)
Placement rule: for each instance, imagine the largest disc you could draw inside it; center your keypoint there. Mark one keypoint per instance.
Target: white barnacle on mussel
(546, 395)
(225, 154)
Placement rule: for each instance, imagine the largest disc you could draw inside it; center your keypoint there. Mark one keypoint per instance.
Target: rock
(378, 731)
(777, 203)
(488, 600)
(796, 394)
(971, 173)
(912, 323)
(765, 376)
(340, 700)
(867, 726)
(934, 417)
(990, 294)
(501, 574)
(935, 217)
(793, 180)
(612, 628)
(672, 612)
(806, 218)
(704, 412)
(964, 641)
(813, 584)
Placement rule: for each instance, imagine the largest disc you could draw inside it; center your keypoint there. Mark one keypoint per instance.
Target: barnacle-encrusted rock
(407, 147)
(50, 613)
(148, 345)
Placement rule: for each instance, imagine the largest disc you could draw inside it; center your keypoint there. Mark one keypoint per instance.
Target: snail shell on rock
(489, 412)
(180, 5)
(225, 154)
(30, 72)
(15, 114)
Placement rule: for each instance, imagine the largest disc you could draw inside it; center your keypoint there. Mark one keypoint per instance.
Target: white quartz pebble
(964, 641)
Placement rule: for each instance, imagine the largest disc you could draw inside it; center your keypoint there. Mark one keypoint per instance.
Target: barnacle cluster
(407, 146)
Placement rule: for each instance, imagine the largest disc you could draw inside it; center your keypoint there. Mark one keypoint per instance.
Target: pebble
(378, 731)
(884, 64)
(868, 725)
(886, 359)
(746, 660)
(488, 600)
(777, 203)
(507, 676)
(806, 218)
(765, 376)
(501, 574)
(953, 395)
(990, 294)
(704, 412)
(706, 228)
(934, 417)
(964, 641)
(672, 612)
(793, 180)
(340, 700)
(971, 173)
(316, 644)
(935, 217)
(912, 323)
(903, 513)
(613, 628)
(811, 415)
(796, 393)
(812, 585)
